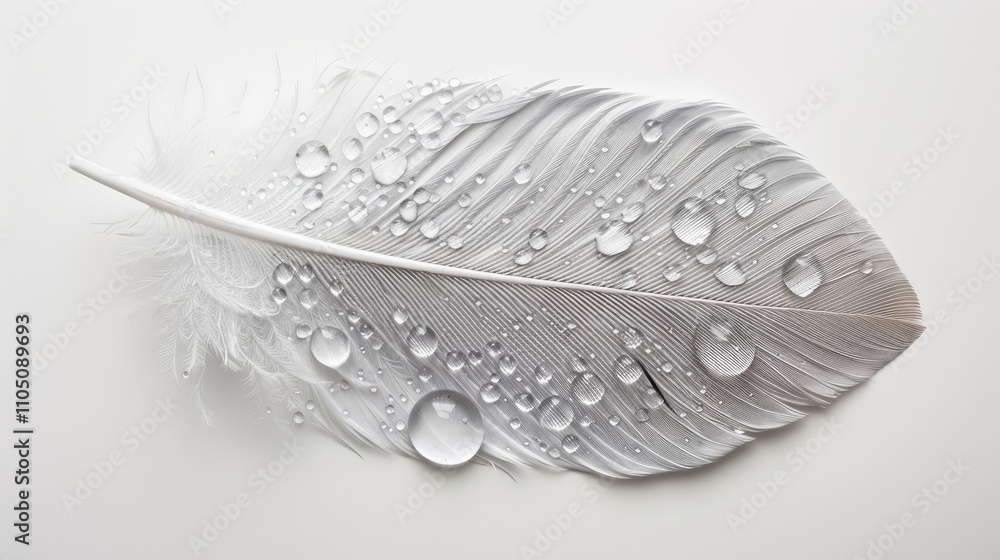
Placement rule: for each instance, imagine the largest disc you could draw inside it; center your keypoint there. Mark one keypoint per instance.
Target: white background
(890, 92)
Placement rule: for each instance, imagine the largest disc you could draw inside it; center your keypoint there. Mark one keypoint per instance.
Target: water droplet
(745, 205)
(802, 274)
(515, 423)
(627, 280)
(537, 239)
(464, 200)
(651, 397)
(693, 221)
(307, 273)
(455, 360)
(312, 199)
(308, 298)
(554, 413)
(522, 173)
(722, 347)
(400, 316)
(706, 255)
(632, 212)
(388, 165)
(367, 125)
(570, 443)
(613, 238)
(428, 121)
(642, 415)
(652, 130)
(627, 369)
(390, 114)
(298, 417)
(656, 182)
(279, 295)
(330, 346)
(480, 178)
(489, 392)
(866, 267)
(430, 228)
(614, 419)
(400, 425)
(525, 401)
(587, 388)
(672, 273)
(455, 241)
(446, 428)
(731, 274)
(310, 405)
(408, 210)
(312, 159)
(751, 180)
(542, 374)
(523, 256)
(283, 273)
(422, 340)
(352, 148)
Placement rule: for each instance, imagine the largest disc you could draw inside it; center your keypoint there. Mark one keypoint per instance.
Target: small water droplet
(613, 238)
(388, 165)
(308, 298)
(706, 255)
(352, 148)
(627, 369)
(522, 173)
(802, 274)
(542, 374)
(330, 346)
(745, 205)
(693, 221)
(652, 130)
(283, 273)
(312, 159)
(279, 295)
(672, 273)
(525, 402)
(446, 427)
(570, 444)
(357, 212)
(523, 256)
(390, 114)
(731, 274)
(537, 239)
(298, 417)
(455, 360)
(554, 413)
(312, 199)
(722, 347)
(866, 267)
(751, 180)
(367, 125)
(633, 212)
(587, 388)
(430, 228)
(422, 340)
(651, 397)
(489, 392)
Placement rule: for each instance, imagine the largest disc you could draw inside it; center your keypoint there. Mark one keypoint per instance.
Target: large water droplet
(422, 340)
(428, 121)
(627, 369)
(352, 148)
(652, 130)
(554, 413)
(367, 125)
(693, 221)
(722, 347)
(522, 173)
(388, 166)
(446, 427)
(587, 388)
(312, 159)
(802, 274)
(731, 274)
(330, 346)
(613, 238)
